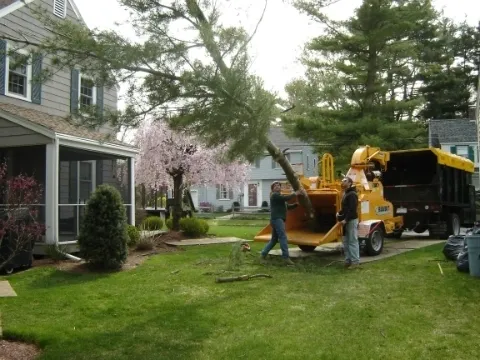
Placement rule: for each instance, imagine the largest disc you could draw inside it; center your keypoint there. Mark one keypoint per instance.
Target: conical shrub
(103, 234)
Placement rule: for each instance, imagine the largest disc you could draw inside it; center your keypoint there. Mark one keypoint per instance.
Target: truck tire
(307, 248)
(374, 243)
(8, 269)
(420, 229)
(453, 224)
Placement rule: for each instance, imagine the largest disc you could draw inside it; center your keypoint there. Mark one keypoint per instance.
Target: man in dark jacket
(278, 216)
(349, 218)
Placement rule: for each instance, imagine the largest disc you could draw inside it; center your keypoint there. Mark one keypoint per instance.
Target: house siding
(264, 175)
(16, 135)
(448, 147)
(209, 195)
(55, 96)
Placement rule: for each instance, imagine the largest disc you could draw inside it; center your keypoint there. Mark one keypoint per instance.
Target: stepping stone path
(6, 290)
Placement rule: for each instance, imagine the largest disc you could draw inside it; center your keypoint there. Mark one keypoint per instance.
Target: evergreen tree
(375, 56)
(450, 75)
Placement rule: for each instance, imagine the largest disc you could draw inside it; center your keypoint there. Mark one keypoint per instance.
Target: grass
(243, 232)
(398, 308)
(235, 222)
(264, 216)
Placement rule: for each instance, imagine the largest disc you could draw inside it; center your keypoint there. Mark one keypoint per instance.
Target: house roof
(58, 124)
(4, 3)
(278, 137)
(453, 131)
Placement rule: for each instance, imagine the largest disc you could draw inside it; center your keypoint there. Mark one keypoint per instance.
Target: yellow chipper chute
(376, 217)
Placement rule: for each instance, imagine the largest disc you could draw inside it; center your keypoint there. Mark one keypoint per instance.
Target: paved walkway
(6, 290)
(205, 241)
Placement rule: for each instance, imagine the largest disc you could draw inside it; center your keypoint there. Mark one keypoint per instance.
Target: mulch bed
(134, 259)
(13, 350)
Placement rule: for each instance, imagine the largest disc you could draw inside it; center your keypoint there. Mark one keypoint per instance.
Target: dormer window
(60, 8)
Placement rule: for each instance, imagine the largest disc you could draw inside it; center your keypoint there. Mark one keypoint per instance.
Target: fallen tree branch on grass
(241, 278)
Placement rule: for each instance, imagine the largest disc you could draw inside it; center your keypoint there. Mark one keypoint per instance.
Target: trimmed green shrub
(103, 236)
(169, 223)
(193, 226)
(133, 235)
(152, 223)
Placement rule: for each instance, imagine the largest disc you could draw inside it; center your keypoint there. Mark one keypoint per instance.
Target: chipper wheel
(307, 248)
(374, 243)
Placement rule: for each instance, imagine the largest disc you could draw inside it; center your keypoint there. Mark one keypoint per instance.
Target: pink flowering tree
(172, 158)
(19, 199)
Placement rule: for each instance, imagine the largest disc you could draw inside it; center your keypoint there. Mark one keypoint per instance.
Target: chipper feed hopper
(376, 216)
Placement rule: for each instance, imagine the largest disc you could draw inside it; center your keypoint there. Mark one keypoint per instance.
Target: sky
(281, 35)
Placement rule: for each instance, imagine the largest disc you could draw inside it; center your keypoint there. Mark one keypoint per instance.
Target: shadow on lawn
(164, 331)
(56, 278)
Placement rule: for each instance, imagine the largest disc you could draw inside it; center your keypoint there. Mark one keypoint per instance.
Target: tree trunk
(278, 156)
(370, 84)
(177, 201)
(207, 35)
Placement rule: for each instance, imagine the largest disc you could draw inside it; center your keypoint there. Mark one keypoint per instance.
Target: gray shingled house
(457, 136)
(35, 136)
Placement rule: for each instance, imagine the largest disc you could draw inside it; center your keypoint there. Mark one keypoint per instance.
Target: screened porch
(68, 181)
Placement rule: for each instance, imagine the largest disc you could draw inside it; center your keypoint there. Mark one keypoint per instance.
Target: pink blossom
(165, 153)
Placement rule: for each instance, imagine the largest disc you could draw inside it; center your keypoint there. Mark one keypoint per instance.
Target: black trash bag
(454, 246)
(462, 262)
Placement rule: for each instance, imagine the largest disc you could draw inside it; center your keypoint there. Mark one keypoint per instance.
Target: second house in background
(457, 136)
(263, 172)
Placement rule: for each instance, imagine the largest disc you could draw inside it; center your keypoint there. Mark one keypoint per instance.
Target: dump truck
(418, 190)
(376, 215)
(432, 190)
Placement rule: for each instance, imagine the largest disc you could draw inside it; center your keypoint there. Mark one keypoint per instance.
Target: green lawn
(171, 308)
(245, 229)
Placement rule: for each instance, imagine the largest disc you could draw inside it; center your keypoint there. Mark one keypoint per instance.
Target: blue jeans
(278, 235)
(351, 247)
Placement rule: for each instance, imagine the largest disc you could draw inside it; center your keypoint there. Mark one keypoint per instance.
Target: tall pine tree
(451, 71)
(375, 55)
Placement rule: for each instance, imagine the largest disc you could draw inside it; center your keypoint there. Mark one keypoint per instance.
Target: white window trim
(94, 90)
(29, 76)
(64, 15)
(254, 164)
(463, 151)
(227, 192)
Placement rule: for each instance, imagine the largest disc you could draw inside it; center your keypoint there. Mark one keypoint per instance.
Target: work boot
(263, 259)
(347, 264)
(289, 262)
(354, 266)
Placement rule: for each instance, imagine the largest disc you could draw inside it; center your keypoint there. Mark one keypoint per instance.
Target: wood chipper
(376, 215)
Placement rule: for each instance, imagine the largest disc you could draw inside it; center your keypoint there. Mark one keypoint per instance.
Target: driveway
(408, 242)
